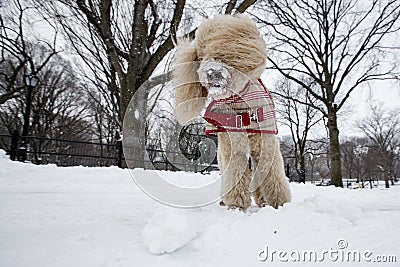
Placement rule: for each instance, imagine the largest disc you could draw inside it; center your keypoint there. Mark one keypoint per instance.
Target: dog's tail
(189, 93)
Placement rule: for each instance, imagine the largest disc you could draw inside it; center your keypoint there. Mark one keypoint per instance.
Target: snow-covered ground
(51, 216)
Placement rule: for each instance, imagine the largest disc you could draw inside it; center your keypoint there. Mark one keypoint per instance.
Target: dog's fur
(236, 42)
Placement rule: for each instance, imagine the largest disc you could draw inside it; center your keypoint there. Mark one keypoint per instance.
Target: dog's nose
(214, 76)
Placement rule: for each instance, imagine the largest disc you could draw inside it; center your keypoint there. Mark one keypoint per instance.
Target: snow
(79, 216)
(168, 230)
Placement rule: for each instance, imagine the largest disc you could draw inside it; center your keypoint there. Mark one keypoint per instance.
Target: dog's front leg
(270, 185)
(232, 160)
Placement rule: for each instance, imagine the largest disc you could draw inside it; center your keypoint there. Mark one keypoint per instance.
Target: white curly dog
(217, 76)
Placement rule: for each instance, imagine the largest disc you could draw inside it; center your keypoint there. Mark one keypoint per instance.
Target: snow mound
(168, 230)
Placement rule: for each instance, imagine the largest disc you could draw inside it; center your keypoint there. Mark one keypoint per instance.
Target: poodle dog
(217, 76)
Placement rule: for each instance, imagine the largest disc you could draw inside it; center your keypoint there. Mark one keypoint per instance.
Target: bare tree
(105, 128)
(19, 54)
(365, 165)
(382, 128)
(60, 108)
(356, 158)
(300, 118)
(339, 44)
(122, 43)
(349, 158)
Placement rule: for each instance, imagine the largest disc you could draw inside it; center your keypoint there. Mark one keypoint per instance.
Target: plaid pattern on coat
(252, 110)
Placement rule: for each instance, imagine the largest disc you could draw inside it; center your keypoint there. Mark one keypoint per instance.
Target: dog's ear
(189, 93)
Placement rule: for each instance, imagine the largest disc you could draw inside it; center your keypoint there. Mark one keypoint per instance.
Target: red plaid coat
(251, 110)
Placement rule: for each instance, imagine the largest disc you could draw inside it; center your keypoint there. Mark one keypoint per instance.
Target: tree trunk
(334, 148)
(302, 163)
(302, 169)
(130, 85)
(386, 177)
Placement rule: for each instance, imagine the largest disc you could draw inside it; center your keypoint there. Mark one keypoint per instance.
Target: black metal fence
(43, 150)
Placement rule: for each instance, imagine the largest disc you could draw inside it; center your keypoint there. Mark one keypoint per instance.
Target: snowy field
(76, 216)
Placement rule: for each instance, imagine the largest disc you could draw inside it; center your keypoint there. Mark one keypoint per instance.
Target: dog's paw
(262, 204)
(233, 207)
(260, 201)
(241, 204)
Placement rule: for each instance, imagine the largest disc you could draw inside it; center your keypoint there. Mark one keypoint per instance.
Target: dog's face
(215, 77)
(229, 48)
